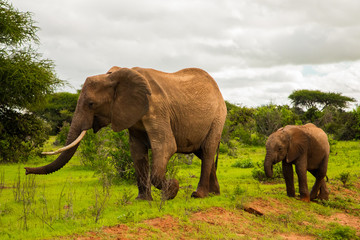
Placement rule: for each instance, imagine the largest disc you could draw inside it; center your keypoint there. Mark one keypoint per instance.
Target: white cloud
(258, 51)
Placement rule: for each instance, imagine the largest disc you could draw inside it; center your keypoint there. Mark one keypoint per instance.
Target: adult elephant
(181, 112)
(306, 147)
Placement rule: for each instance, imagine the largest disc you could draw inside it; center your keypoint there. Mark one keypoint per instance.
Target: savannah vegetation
(97, 188)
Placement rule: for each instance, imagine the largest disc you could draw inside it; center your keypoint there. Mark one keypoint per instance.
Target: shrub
(338, 231)
(344, 177)
(247, 163)
(61, 137)
(270, 118)
(258, 172)
(21, 135)
(108, 152)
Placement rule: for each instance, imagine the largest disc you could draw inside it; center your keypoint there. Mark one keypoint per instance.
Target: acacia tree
(315, 98)
(25, 80)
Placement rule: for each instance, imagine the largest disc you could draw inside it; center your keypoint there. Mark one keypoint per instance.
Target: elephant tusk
(68, 146)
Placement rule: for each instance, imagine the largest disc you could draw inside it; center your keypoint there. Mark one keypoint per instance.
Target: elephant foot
(143, 196)
(199, 194)
(324, 194)
(313, 196)
(215, 189)
(305, 198)
(291, 195)
(171, 189)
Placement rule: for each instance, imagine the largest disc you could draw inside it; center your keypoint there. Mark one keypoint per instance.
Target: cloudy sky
(257, 51)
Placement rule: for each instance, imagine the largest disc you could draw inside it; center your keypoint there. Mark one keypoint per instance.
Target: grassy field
(75, 203)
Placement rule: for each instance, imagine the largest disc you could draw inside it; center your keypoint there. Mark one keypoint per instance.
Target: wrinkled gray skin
(307, 148)
(182, 112)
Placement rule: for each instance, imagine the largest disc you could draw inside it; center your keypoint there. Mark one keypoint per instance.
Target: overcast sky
(257, 51)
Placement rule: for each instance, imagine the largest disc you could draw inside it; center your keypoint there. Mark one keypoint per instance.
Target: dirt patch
(262, 207)
(292, 236)
(343, 219)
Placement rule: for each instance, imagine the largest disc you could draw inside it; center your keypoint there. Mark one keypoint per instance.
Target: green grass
(74, 201)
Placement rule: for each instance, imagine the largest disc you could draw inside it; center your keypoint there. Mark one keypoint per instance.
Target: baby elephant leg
(324, 191)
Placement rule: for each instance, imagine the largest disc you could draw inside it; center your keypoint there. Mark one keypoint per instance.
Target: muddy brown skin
(181, 112)
(307, 148)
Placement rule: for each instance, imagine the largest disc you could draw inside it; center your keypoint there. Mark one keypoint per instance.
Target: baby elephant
(306, 147)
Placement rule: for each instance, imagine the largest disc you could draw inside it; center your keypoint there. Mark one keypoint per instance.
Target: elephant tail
(327, 178)
(217, 156)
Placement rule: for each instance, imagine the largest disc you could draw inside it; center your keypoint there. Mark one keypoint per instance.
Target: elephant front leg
(288, 173)
(301, 171)
(139, 154)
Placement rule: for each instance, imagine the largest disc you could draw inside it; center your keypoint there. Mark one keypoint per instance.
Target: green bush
(247, 163)
(108, 152)
(258, 172)
(344, 177)
(21, 135)
(270, 118)
(339, 232)
(62, 135)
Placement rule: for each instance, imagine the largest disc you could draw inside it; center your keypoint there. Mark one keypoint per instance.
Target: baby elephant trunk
(268, 166)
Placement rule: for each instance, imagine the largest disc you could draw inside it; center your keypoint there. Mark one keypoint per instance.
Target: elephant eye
(91, 104)
(280, 148)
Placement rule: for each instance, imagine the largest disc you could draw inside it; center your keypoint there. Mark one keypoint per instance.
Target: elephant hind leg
(208, 181)
(214, 187)
(319, 189)
(161, 154)
(324, 191)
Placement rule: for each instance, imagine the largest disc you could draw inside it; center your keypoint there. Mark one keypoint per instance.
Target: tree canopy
(315, 98)
(25, 80)
(57, 109)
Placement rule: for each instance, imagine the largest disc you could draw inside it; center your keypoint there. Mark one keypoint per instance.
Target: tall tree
(315, 99)
(25, 80)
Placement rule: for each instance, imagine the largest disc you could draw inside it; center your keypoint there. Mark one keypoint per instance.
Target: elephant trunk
(63, 158)
(268, 166)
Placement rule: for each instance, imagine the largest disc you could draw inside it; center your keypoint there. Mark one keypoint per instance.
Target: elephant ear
(130, 101)
(113, 69)
(297, 145)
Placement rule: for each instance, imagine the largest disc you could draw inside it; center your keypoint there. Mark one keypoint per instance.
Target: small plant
(101, 198)
(17, 187)
(239, 190)
(338, 203)
(344, 177)
(2, 180)
(125, 198)
(258, 172)
(247, 163)
(27, 196)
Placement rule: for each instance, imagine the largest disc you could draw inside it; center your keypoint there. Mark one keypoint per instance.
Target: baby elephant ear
(130, 101)
(298, 144)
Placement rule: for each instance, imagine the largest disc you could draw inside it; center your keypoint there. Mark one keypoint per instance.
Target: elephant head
(286, 144)
(119, 97)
